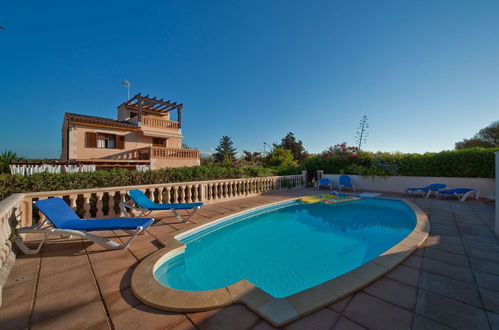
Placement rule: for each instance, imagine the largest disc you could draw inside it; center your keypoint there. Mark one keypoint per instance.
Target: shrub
(279, 157)
(473, 163)
(121, 177)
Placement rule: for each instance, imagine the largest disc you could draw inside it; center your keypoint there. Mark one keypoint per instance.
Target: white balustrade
(92, 202)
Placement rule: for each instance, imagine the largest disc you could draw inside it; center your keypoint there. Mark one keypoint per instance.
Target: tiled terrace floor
(451, 283)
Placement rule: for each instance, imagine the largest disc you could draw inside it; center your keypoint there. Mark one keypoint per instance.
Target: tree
(6, 158)
(361, 134)
(289, 142)
(249, 156)
(487, 137)
(280, 157)
(225, 150)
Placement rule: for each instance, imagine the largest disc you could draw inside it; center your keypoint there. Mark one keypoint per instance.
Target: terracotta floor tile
(55, 265)
(15, 316)
(114, 282)
(79, 276)
(140, 251)
(232, 317)
(450, 312)
(120, 301)
(345, 324)
(64, 248)
(484, 265)
(486, 280)
(480, 245)
(263, 325)
(435, 240)
(374, 313)
(109, 262)
(101, 325)
(493, 320)
(453, 289)
(484, 254)
(59, 301)
(459, 273)
(447, 257)
(322, 319)
(160, 229)
(184, 325)
(24, 265)
(405, 274)
(182, 225)
(395, 292)
(446, 247)
(423, 323)
(490, 299)
(144, 317)
(340, 305)
(413, 261)
(80, 316)
(19, 292)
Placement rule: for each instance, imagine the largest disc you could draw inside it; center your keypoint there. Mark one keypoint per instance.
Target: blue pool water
(290, 247)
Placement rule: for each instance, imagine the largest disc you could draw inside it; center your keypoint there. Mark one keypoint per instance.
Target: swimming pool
(288, 247)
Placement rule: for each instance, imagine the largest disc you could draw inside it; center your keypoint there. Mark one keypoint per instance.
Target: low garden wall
(497, 190)
(397, 184)
(10, 215)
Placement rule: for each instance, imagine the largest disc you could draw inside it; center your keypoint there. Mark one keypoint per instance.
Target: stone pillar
(320, 174)
(497, 192)
(304, 174)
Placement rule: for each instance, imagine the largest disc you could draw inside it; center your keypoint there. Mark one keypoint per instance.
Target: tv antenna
(127, 84)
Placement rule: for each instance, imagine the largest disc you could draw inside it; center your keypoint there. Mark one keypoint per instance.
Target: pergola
(140, 103)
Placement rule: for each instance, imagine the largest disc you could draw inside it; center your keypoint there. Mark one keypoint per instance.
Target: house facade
(144, 133)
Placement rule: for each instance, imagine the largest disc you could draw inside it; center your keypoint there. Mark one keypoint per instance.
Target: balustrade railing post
(99, 205)
(27, 214)
(111, 203)
(175, 194)
(86, 205)
(188, 193)
(168, 195)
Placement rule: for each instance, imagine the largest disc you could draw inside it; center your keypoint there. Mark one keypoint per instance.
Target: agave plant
(6, 158)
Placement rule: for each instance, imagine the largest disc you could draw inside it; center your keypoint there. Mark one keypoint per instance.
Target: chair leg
(189, 214)
(130, 205)
(102, 241)
(475, 193)
(26, 250)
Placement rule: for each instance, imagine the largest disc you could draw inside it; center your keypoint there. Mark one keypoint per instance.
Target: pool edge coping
(277, 311)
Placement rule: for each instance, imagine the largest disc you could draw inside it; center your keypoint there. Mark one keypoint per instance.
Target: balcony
(147, 153)
(160, 123)
(172, 153)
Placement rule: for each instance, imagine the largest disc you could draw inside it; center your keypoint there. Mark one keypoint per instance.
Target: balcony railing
(147, 153)
(160, 123)
(134, 154)
(172, 153)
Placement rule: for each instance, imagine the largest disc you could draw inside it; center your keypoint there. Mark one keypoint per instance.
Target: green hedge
(121, 177)
(473, 163)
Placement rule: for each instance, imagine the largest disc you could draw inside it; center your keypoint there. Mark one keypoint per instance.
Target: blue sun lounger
(426, 191)
(461, 193)
(145, 205)
(63, 221)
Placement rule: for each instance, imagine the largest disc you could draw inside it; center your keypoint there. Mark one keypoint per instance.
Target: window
(107, 141)
(159, 142)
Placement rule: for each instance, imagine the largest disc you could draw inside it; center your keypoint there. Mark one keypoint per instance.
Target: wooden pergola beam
(141, 103)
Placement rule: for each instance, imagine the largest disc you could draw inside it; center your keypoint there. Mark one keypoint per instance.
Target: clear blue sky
(426, 73)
